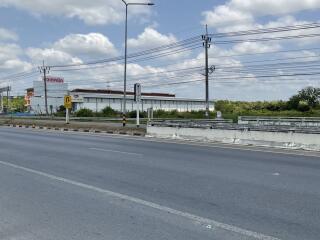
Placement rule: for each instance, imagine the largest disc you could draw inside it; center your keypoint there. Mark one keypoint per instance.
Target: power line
(266, 39)
(165, 54)
(162, 48)
(196, 39)
(267, 30)
(248, 77)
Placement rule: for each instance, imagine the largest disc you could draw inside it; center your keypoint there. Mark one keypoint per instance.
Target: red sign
(55, 80)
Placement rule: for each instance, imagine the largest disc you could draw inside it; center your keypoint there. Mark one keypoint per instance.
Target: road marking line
(114, 151)
(186, 215)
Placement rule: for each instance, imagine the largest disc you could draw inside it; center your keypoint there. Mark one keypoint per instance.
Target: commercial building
(27, 98)
(97, 100)
(56, 90)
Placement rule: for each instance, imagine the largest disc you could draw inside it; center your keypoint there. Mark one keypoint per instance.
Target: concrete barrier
(288, 139)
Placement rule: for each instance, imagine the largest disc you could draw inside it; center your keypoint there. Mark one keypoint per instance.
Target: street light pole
(124, 110)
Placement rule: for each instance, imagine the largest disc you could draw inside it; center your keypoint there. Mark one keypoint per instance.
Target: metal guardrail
(280, 121)
(280, 118)
(201, 123)
(228, 125)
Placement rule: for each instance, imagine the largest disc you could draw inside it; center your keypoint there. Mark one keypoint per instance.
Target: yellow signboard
(68, 102)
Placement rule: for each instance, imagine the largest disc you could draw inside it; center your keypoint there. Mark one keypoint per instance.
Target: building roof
(107, 91)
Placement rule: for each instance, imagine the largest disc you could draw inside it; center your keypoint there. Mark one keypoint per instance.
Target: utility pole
(45, 70)
(124, 107)
(1, 102)
(206, 44)
(7, 100)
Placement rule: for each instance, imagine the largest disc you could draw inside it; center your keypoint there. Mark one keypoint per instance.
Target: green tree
(311, 95)
(293, 102)
(16, 104)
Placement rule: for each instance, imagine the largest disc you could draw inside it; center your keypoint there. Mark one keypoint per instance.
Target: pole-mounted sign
(67, 102)
(137, 92)
(137, 99)
(68, 106)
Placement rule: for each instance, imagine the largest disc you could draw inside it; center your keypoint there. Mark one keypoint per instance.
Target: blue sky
(39, 30)
(75, 31)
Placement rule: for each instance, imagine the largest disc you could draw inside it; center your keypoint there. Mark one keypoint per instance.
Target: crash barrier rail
(228, 125)
(280, 121)
(204, 123)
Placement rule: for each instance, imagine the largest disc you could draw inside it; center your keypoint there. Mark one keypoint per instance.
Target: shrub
(303, 106)
(85, 113)
(61, 111)
(133, 114)
(109, 112)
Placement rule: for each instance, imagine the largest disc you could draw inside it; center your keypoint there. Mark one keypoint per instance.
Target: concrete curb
(77, 130)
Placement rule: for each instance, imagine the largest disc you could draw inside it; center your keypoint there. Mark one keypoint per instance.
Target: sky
(73, 32)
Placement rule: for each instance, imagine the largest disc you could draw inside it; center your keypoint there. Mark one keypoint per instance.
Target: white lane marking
(114, 151)
(186, 215)
(276, 174)
(293, 152)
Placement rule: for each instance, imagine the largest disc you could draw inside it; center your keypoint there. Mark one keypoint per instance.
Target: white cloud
(6, 34)
(74, 49)
(93, 45)
(224, 15)
(151, 38)
(239, 12)
(259, 7)
(9, 51)
(10, 59)
(238, 15)
(255, 47)
(91, 12)
(51, 56)
(16, 65)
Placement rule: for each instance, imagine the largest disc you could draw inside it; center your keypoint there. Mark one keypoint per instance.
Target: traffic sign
(5, 89)
(137, 92)
(68, 102)
(137, 99)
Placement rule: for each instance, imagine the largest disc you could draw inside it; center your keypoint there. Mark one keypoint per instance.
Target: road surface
(65, 186)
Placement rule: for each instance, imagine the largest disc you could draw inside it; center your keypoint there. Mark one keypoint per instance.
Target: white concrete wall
(38, 104)
(99, 103)
(55, 96)
(259, 138)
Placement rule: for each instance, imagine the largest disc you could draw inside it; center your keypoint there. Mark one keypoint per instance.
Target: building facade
(56, 90)
(96, 100)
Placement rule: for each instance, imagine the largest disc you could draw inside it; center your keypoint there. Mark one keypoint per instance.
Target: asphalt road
(75, 186)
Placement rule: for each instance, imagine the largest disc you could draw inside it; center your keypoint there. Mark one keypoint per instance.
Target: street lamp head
(141, 4)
